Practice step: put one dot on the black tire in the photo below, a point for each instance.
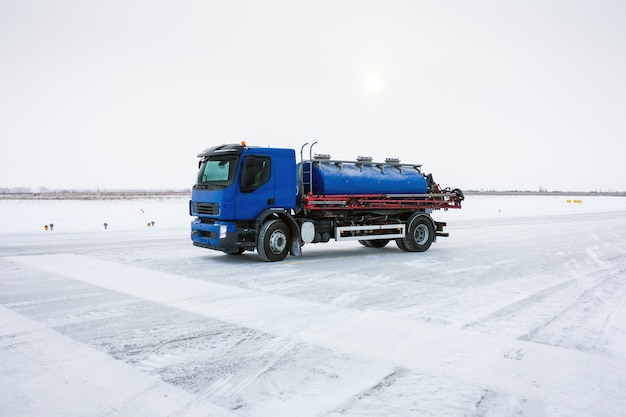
(238, 251)
(400, 243)
(378, 243)
(420, 233)
(274, 241)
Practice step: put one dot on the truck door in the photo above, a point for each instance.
(256, 187)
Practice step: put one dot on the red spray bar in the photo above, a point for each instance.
(436, 201)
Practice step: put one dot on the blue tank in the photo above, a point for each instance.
(342, 177)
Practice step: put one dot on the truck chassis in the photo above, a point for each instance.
(373, 220)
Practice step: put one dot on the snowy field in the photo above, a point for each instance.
(520, 312)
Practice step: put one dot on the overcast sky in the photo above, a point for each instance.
(485, 94)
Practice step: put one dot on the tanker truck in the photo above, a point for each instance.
(260, 199)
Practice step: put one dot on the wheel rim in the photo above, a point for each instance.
(420, 235)
(277, 242)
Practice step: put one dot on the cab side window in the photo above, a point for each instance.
(256, 172)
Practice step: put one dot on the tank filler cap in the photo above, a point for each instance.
(322, 156)
(392, 160)
(364, 158)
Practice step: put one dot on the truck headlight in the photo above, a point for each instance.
(223, 228)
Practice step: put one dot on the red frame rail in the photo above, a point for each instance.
(445, 201)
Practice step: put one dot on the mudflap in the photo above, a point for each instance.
(296, 248)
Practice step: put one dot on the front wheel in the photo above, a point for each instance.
(419, 235)
(273, 241)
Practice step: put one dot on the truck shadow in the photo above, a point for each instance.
(308, 254)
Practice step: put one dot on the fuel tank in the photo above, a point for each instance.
(328, 177)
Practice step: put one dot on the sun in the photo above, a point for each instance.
(373, 84)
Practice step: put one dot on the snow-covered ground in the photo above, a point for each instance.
(520, 312)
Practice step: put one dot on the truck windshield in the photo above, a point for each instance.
(217, 171)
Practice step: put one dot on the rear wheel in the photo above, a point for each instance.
(400, 243)
(273, 241)
(237, 251)
(420, 234)
(378, 243)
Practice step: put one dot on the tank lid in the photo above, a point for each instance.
(364, 158)
(323, 156)
(392, 160)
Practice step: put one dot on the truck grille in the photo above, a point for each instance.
(212, 209)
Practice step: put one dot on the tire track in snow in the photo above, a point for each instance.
(592, 322)
(541, 304)
(433, 349)
(37, 363)
(274, 350)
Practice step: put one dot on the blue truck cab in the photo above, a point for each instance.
(237, 188)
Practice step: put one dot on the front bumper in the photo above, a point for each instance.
(216, 235)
